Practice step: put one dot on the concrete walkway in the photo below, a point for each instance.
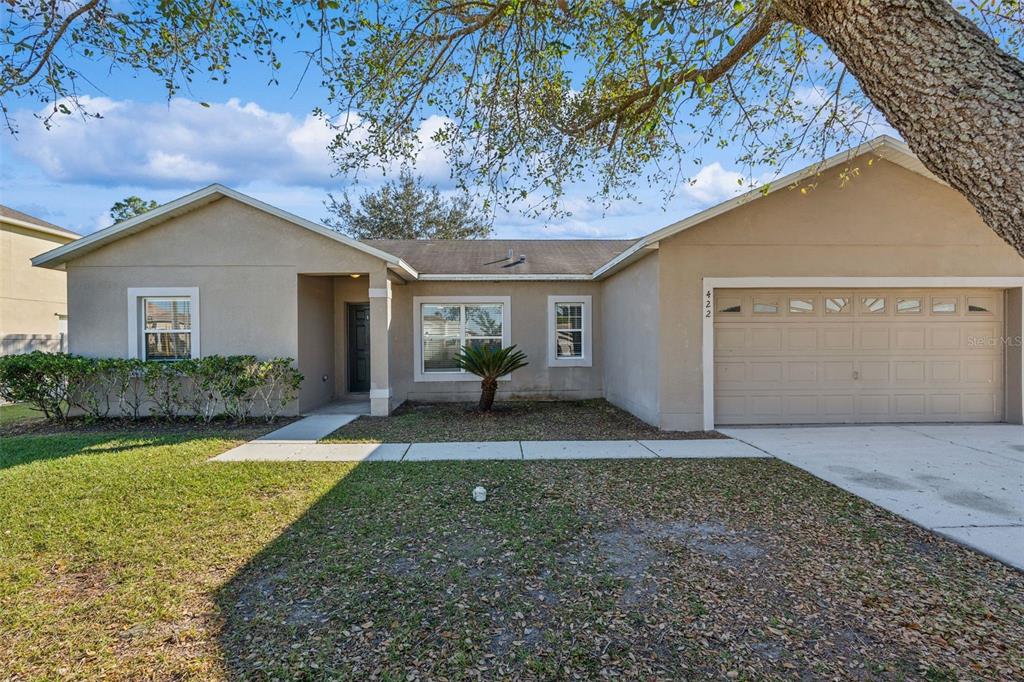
(962, 481)
(274, 447)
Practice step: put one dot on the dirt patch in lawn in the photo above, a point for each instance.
(637, 570)
(512, 420)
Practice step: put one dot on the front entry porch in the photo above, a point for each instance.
(344, 320)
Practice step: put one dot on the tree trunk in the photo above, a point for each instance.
(955, 97)
(488, 387)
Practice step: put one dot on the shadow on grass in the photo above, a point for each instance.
(20, 450)
(396, 564)
(38, 440)
(643, 570)
(23, 450)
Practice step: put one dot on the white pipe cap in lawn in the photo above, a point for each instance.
(480, 493)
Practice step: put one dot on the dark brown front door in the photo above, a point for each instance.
(358, 347)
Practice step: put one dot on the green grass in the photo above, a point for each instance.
(511, 420)
(18, 413)
(131, 556)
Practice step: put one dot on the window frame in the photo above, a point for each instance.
(417, 324)
(136, 318)
(587, 360)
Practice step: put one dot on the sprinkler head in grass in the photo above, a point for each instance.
(480, 493)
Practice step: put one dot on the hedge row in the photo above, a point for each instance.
(58, 383)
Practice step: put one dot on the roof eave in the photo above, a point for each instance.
(477, 277)
(45, 229)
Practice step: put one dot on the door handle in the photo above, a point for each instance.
(856, 374)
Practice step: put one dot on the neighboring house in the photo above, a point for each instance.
(881, 298)
(33, 302)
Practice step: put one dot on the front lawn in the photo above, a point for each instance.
(513, 420)
(133, 557)
(17, 414)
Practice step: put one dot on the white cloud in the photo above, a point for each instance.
(713, 184)
(182, 143)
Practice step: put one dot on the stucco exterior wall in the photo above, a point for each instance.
(529, 332)
(30, 298)
(316, 340)
(630, 309)
(246, 264)
(887, 221)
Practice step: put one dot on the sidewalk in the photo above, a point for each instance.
(273, 450)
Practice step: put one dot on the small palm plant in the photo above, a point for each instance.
(490, 363)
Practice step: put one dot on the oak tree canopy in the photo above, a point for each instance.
(536, 95)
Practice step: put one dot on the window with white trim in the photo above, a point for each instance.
(446, 327)
(163, 323)
(569, 331)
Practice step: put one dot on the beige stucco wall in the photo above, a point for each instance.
(30, 298)
(246, 264)
(887, 221)
(630, 308)
(529, 332)
(316, 340)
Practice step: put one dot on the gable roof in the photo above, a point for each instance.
(56, 258)
(489, 258)
(579, 259)
(19, 219)
(884, 146)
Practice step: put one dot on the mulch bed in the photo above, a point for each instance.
(513, 420)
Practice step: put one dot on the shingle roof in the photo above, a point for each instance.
(13, 214)
(490, 256)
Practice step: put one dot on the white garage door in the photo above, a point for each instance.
(833, 356)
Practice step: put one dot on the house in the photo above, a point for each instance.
(33, 301)
(861, 289)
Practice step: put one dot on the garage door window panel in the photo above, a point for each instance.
(908, 305)
(837, 305)
(766, 306)
(873, 305)
(802, 305)
(944, 305)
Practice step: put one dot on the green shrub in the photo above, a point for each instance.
(55, 383)
(278, 386)
(490, 364)
(163, 383)
(46, 381)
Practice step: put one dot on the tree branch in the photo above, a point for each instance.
(45, 57)
(648, 96)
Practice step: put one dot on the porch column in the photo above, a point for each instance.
(380, 336)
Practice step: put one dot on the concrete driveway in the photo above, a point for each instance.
(963, 481)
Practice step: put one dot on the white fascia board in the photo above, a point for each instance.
(504, 278)
(63, 253)
(886, 147)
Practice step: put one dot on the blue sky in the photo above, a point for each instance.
(262, 140)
